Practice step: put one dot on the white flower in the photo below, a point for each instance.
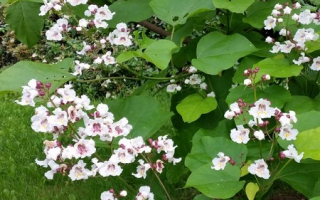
(211, 94)
(192, 70)
(275, 47)
(269, 40)
(278, 6)
(259, 168)
(270, 23)
(259, 135)
(108, 59)
(171, 88)
(247, 82)
(292, 153)
(287, 47)
(145, 193)
(78, 171)
(301, 59)
(233, 112)
(297, 5)
(315, 64)
(83, 23)
(295, 17)
(110, 168)
(54, 167)
(306, 17)
(287, 133)
(107, 195)
(142, 169)
(54, 33)
(283, 32)
(195, 79)
(240, 135)
(76, 2)
(261, 109)
(123, 193)
(67, 93)
(203, 86)
(103, 13)
(287, 10)
(84, 148)
(220, 163)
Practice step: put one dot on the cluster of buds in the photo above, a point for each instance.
(251, 74)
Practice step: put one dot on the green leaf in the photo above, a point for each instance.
(302, 104)
(175, 12)
(244, 169)
(278, 67)
(144, 113)
(302, 177)
(193, 106)
(21, 73)
(246, 63)
(313, 46)
(130, 11)
(216, 183)
(308, 142)
(305, 121)
(217, 52)
(259, 11)
(251, 190)
(201, 197)
(127, 55)
(158, 52)
(233, 5)
(205, 148)
(23, 17)
(277, 95)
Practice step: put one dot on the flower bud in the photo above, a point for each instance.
(48, 85)
(266, 77)
(123, 193)
(282, 155)
(247, 82)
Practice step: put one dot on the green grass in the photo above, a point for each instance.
(20, 177)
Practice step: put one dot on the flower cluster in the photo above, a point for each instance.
(256, 118)
(65, 117)
(292, 40)
(194, 80)
(260, 113)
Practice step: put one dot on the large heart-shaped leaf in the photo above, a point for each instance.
(130, 11)
(205, 148)
(144, 113)
(308, 142)
(303, 177)
(216, 184)
(193, 106)
(175, 12)
(233, 5)
(158, 52)
(21, 73)
(217, 52)
(23, 17)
